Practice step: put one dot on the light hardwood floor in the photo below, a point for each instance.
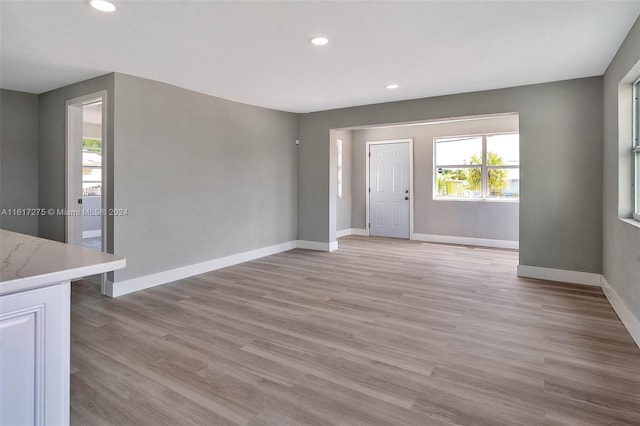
(381, 332)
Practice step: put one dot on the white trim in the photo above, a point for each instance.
(359, 231)
(367, 178)
(367, 182)
(92, 233)
(467, 241)
(136, 284)
(560, 275)
(343, 233)
(629, 320)
(317, 245)
(339, 167)
(632, 222)
(635, 147)
(631, 323)
(104, 177)
(351, 231)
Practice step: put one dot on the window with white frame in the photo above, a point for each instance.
(339, 166)
(636, 147)
(477, 167)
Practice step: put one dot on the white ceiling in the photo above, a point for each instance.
(259, 52)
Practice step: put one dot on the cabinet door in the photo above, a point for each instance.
(34, 356)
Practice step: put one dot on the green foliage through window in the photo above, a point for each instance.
(92, 145)
(497, 178)
(462, 172)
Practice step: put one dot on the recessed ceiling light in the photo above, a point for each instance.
(319, 41)
(392, 86)
(102, 5)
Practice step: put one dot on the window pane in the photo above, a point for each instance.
(636, 142)
(453, 152)
(458, 182)
(91, 167)
(638, 182)
(636, 118)
(339, 166)
(503, 150)
(504, 183)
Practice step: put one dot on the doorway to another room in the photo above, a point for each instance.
(92, 175)
(86, 171)
(459, 182)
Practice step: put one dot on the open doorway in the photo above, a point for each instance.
(92, 175)
(86, 136)
(464, 181)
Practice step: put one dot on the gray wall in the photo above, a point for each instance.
(475, 219)
(19, 159)
(52, 152)
(621, 248)
(201, 177)
(343, 204)
(560, 154)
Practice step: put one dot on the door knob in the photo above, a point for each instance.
(406, 191)
(406, 198)
(79, 200)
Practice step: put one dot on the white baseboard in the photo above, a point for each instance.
(136, 284)
(561, 275)
(343, 233)
(92, 233)
(467, 241)
(629, 320)
(352, 231)
(121, 288)
(317, 245)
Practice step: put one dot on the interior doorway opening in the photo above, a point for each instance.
(464, 181)
(86, 148)
(85, 220)
(92, 175)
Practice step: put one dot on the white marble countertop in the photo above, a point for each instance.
(30, 262)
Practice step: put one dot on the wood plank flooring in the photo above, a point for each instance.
(380, 332)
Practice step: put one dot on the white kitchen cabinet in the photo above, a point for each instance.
(35, 300)
(34, 356)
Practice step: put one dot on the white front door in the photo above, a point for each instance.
(389, 194)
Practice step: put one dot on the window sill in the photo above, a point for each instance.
(632, 222)
(478, 200)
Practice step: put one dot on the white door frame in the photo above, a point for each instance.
(73, 127)
(366, 189)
